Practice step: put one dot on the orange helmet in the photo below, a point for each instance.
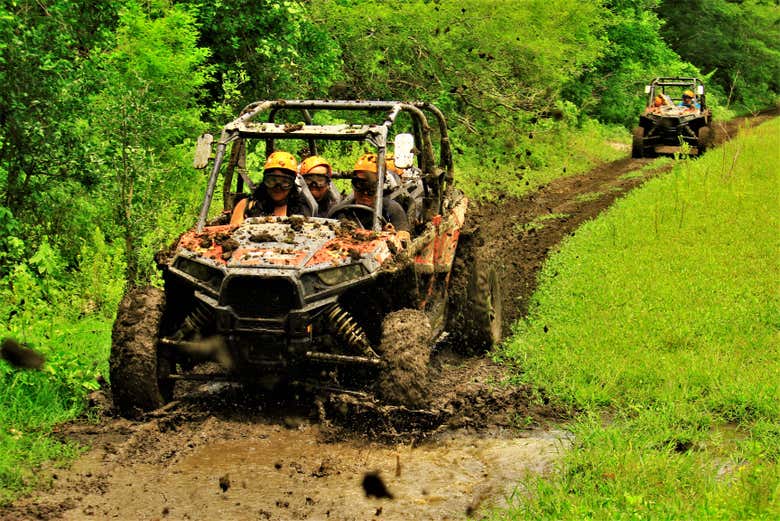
(367, 163)
(310, 162)
(281, 160)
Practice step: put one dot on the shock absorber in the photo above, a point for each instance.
(197, 322)
(348, 330)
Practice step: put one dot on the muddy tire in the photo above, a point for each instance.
(406, 350)
(475, 318)
(484, 312)
(705, 139)
(638, 143)
(138, 372)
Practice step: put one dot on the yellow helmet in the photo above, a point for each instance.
(281, 160)
(367, 163)
(688, 94)
(310, 162)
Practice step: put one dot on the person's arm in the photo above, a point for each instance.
(238, 212)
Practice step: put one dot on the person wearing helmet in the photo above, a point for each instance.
(277, 194)
(689, 101)
(364, 186)
(317, 173)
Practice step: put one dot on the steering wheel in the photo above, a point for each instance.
(347, 210)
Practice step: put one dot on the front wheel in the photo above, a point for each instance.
(138, 370)
(638, 143)
(704, 139)
(406, 350)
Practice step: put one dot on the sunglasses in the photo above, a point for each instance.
(316, 181)
(364, 186)
(272, 181)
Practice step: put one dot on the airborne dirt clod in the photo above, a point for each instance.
(220, 452)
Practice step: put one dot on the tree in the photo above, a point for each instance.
(42, 49)
(738, 42)
(273, 44)
(146, 107)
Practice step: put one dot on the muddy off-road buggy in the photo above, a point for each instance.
(664, 126)
(316, 302)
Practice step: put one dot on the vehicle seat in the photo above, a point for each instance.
(306, 196)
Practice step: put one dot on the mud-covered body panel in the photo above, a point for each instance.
(271, 285)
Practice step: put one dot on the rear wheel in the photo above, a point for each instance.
(405, 348)
(705, 139)
(476, 309)
(138, 370)
(638, 143)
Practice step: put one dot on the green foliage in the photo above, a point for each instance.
(612, 88)
(473, 58)
(42, 49)
(737, 42)
(663, 315)
(268, 49)
(32, 402)
(149, 80)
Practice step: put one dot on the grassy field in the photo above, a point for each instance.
(660, 322)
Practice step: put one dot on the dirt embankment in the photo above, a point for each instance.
(221, 453)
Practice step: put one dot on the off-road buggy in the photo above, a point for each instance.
(666, 125)
(316, 302)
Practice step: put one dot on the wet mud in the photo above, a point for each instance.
(219, 451)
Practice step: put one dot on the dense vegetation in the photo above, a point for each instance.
(101, 103)
(677, 378)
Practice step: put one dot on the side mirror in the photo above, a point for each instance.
(404, 150)
(647, 89)
(700, 90)
(203, 151)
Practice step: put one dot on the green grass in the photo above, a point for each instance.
(66, 316)
(538, 223)
(33, 402)
(660, 321)
(590, 196)
(533, 158)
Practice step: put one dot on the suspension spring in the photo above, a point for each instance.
(349, 331)
(197, 322)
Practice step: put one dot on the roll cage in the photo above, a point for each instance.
(660, 84)
(251, 125)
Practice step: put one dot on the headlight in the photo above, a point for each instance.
(321, 280)
(209, 276)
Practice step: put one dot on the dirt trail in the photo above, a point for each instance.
(223, 453)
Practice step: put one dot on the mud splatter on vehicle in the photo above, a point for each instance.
(313, 301)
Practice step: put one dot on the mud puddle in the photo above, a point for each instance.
(271, 472)
(222, 454)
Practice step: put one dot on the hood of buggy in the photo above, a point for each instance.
(288, 243)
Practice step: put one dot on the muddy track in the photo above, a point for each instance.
(219, 452)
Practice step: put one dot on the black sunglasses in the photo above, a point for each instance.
(364, 186)
(273, 181)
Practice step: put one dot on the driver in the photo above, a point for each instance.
(689, 101)
(277, 194)
(364, 186)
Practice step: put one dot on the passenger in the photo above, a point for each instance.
(689, 101)
(317, 173)
(658, 101)
(277, 194)
(364, 185)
